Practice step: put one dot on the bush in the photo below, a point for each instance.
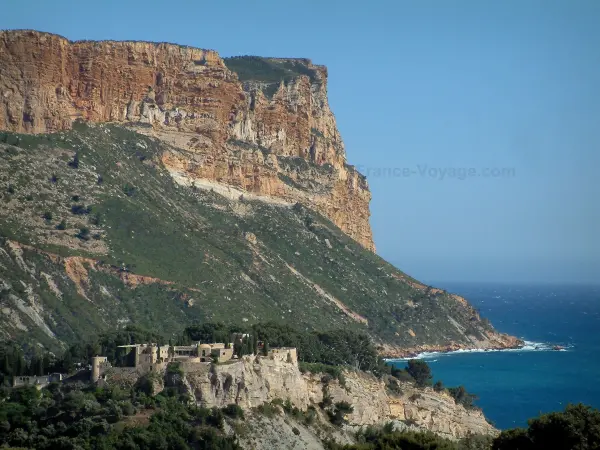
(462, 397)
(296, 431)
(577, 427)
(175, 368)
(415, 397)
(438, 386)
(234, 411)
(48, 216)
(80, 210)
(420, 371)
(393, 386)
(10, 189)
(84, 234)
(62, 225)
(310, 416)
(75, 162)
(402, 375)
(267, 409)
(129, 190)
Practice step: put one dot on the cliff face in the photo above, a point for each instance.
(268, 132)
(252, 381)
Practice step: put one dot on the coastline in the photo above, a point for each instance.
(495, 342)
(528, 346)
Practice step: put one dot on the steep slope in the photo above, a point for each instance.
(144, 244)
(269, 131)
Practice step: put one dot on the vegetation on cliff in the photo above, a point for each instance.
(270, 71)
(75, 417)
(122, 237)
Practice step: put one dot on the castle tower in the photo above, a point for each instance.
(97, 361)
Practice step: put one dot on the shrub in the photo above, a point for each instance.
(420, 371)
(296, 431)
(577, 427)
(462, 397)
(75, 162)
(48, 216)
(84, 234)
(175, 368)
(127, 408)
(438, 386)
(334, 371)
(54, 178)
(402, 375)
(393, 385)
(310, 416)
(75, 198)
(234, 411)
(267, 409)
(62, 225)
(415, 397)
(216, 418)
(10, 189)
(80, 210)
(95, 219)
(129, 189)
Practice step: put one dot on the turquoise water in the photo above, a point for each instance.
(515, 385)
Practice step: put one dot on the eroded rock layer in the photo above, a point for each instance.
(265, 129)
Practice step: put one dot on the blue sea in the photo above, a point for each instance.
(514, 386)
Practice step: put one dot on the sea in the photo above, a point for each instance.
(515, 385)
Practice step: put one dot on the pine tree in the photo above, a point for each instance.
(40, 366)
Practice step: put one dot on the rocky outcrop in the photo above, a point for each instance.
(492, 341)
(252, 381)
(276, 138)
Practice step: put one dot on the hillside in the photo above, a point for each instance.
(190, 98)
(138, 247)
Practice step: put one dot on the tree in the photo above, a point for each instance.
(254, 345)
(462, 397)
(265, 349)
(420, 371)
(438, 386)
(577, 427)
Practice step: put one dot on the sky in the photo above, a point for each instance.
(477, 122)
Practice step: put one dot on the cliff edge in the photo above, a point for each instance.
(258, 125)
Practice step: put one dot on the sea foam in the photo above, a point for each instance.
(528, 346)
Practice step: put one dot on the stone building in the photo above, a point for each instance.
(99, 366)
(285, 354)
(37, 381)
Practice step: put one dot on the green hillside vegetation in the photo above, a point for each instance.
(79, 416)
(271, 71)
(101, 192)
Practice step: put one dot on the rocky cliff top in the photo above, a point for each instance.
(244, 122)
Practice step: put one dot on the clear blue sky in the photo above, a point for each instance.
(425, 85)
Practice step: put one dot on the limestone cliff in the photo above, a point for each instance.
(268, 132)
(253, 381)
